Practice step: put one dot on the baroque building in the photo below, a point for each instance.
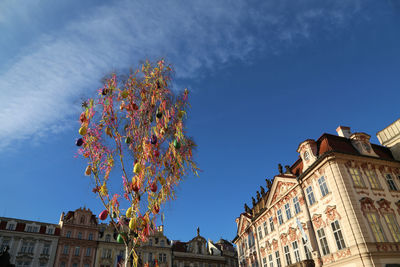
(109, 252)
(338, 204)
(199, 252)
(78, 239)
(30, 243)
(156, 250)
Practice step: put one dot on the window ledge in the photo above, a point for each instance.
(327, 194)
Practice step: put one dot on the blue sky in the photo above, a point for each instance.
(263, 75)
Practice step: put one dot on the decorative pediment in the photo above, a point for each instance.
(317, 221)
(332, 214)
(384, 206)
(367, 205)
(243, 224)
(282, 188)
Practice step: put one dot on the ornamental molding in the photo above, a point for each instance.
(317, 221)
(367, 205)
(332, 214)
(384, 206)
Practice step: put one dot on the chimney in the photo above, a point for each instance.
(343, 131)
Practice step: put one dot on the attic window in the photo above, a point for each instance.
(306, 156)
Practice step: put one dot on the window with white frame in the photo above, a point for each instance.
(355, 175)
(296, 251)
(306, 250)
(76, 253)
(390, 182)
(24, 247)
(66, 249)
(32, 228)
(46, 249)
(288, 212)
(296, 204)
(88, 251)
(278, 259)
(11, 226)
(392, 225)
(310, 195)
(337, 232)
(376, 227)
(50, 230)
(260, 236)
(271, 262)
(265, 228)
(5, 243)
(280, 217)
(264, 262)
(373, 180)
(271, 224)
(287, 255)
(322, 186)
(323, 242)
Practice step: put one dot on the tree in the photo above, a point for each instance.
(138, 124)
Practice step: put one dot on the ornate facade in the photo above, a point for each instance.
(109, 251)
(337, 205)
(30, 243)
(78, 240)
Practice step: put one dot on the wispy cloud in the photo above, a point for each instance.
(41, 84)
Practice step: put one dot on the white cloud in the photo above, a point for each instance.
(41, 87)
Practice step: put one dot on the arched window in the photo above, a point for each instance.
(83, 219)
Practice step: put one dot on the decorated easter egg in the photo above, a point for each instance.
(134, 106)
(156, 209)
(124, 94)
(128, 140)
(103, 215)
(177, 145)
(136, 168)
(153, 186)
(109, 131)
(129, 212)
(132, 224)
(153, 139)
(88, 170)
(159, 115)
(82, 118)
(83, 130)
(79, 142)
(120, 239)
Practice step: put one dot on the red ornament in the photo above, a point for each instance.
(103, 215)
(156, 153)
(156, 209)
(153, 186)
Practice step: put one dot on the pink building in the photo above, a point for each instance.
(77, 244)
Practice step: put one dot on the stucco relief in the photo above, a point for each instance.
(332, 214)
(360, 192)
(384, 206)
(367, 205)
(328, 259)
(343, 253)
(275, 244)
(281, 189)
(292, 234)
(284, 239)
(386, 247)
(317, 221)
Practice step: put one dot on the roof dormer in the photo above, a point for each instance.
(361, 141)
(308, 152)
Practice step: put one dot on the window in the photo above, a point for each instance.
(271, 262)
(260, 236)
(288, 212)
(50, 231)
(296, 205)
(69, 234)
(322, 186)
(322, 241)
(271, 224)
(31, 246)
(338, 235)
(88, 251)
(79, 235)
(108, 253)
(306, 250)
(108, 238)
(264, 262)
(306, 156)
(251, 240)
(287, 255)
(265, 228)
(76, 251)
(280, 218)
(278, 260)
(150, 257)
(393, 226)
(296, 251)
(372, 179)
(162, 242)
(82, 219)
(75, 265)
(90, 236)
(355, 175)
(66, 248)
(86, 265)
(46, 249)
(24, 247)
(376, 227)
(4, 244)
(11, 226)
(150, 241)
(390, 181)
(310, 195)
(62, 264)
